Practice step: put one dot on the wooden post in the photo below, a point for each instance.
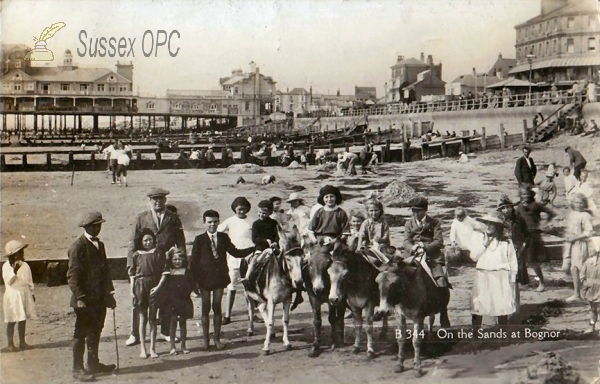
(24, 160)
(49, 160)
(93, 161)
(347, 146)
(70, 158)
(463, 145)
(388, 153)
(224, 157)
(138, 156)
(405, 152)
(331, 148)
(2, 161)
(35, 118)
(525, 131)
(483, 139)
(243, 155)
(502, 138)
(311, 155)
(444, 149)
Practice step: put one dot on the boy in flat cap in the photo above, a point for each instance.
(167, 227)
(92, 292)
(426, 232)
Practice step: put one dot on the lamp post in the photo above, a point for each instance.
(530, 57)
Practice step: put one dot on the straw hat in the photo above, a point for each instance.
(492, 217)
(13, 247)
(294, 196)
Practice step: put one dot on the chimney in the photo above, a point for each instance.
(125, 70)
(500, 55)
(252, 67)
(422, 58)
(430, 60)
(400, 58)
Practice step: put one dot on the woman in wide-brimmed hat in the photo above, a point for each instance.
(300, 214)
(494, 292)
(18, 301)
(330, 220)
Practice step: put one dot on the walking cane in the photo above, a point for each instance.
(115, 332)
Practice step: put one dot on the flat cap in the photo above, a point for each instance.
(89, 218)
(157, 192)
(418, 202)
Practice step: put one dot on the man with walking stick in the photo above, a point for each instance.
(92, 292)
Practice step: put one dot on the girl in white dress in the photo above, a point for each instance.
(18, 300)
(494, 291)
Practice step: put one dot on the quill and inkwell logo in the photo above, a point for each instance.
(40, 52)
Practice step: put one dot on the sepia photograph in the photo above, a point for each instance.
(302, 191)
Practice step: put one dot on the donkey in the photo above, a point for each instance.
(276, 281)
(353, 283)
(317, 283)
(408, 289)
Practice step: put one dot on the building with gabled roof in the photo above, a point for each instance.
(68, 87)
(464, 84)
(295, 101)
(405, 72)
(561, 45)
(502, 67)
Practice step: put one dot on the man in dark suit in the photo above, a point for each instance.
(208, 264)
(525, 169)
(424, 232)
(168, 229)
(92, 292)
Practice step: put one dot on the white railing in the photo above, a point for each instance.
(496, 101)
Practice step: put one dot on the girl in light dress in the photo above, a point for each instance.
(356, 219)
(495, 292)
(18, 301)
(576, 248)
(590, 281)
(147, 268)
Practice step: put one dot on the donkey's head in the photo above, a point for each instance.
(392, 281)
(318, 261)
(338, 273)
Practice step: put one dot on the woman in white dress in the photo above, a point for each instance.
(18, 302)
(495, 292)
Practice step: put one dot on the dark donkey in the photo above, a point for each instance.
(409, 290)
(317, 284)
(353, 284)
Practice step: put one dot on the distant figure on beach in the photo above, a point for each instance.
(525, 169)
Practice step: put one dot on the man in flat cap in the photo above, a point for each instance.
(168, 230)
(92, 292)
(425, 232)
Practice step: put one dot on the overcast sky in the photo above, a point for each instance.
(327, 44)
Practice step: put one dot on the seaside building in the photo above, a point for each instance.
(66, 87)
(295, 101)
(406, 72)
(561, 44)
(474, 83)
(502, 67)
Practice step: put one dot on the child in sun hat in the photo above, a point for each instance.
(18, 301)
(329, 221)
(547, 188)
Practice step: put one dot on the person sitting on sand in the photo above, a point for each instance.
(547, 188)
(570, 183)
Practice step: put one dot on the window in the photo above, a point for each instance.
(17, 86)
(547, 51)
(111, 88)
(591, 44)
(556, 24)
(177, 106)
(247, 106)
(570, 22)
(65, 87)
(194, 106)
(83, 87)
(122, 88)
(29, 86)
(6, 86)
(590, 21)
(235, 90)
(570, 45)
(213, 107)
(150, 105)
(554, 48)
(100, 87)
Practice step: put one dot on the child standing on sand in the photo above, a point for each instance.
(147, 267)
(18, 302)
(174, 290)
(579, 228)
(590, 281)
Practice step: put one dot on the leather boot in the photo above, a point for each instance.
(78, 372)
(94, 364)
